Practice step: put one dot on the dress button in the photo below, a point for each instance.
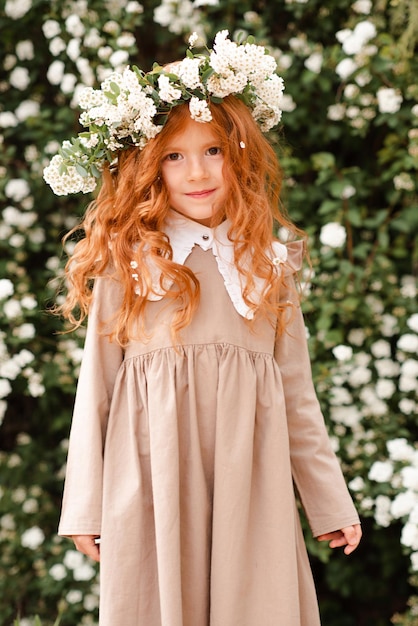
(205, 237)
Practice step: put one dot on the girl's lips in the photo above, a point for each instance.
(200, 194)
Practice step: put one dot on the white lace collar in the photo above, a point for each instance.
(184, 234)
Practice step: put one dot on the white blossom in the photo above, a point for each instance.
(17, 189)
(19, 78)
(17, 8)
(58, 571)
(333, 235)
(24, 50)
(399, 449)
(74, 25)
(412, 322)
(346, 68)
(381, 349)
(8, 119)
(199, 110)
(314, 62)
(6, 288)
(385, 388)
(403, 504)
(382, 511)
(32, 538)
(342, 353)
(55, 72)
(389, 100)
(381, 471)
(51, 28)
(408, 343)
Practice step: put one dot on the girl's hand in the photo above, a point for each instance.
(86, 545)
(348, 537)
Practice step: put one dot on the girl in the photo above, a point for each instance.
(195, 418)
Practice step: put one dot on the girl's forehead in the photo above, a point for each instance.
(193, 133)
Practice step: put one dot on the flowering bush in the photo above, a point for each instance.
(349, 149)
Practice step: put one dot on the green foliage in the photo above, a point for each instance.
(349, 151)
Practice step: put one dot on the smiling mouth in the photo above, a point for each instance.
(200, 194)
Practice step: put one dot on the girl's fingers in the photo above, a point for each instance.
(86, 544)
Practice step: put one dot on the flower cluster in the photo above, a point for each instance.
(131, 107)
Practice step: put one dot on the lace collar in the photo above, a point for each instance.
(184, 234)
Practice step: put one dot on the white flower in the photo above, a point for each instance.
(409, 535)
(342, 353)
(74, 25)
(348, 192)
(25, 331)
(403, 504)
(24, 50)
(382, 511)
(386, 368)
(385, 388)
(410, 478)
(8, 120)
(134, 7)
(399, 449)
(70, 182)
(32, 538)
(381, 471)
(74, 596)
(333, 235)
(17, 189)
(26, 109)
(17, 8)
(408, 343)
(119, 58)
(412, 322)
(414, 561)
(199, 110)
(336, 112)
(314, 62)
(6, 288)
(380, 349)
(5, 388)
(84, 572)
(362, 6)
(193, 39)
(389, 100)
(357, 484)
(125, 40)
(355, 41)
(51, 28)
(73, 559)
(168, 93)
(19, 78)
(58, 571)
(347, 415)
(403, 181)
(55, 72)
(345, 68)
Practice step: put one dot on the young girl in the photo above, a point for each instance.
(195, 418)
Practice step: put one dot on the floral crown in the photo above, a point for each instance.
(131, 107)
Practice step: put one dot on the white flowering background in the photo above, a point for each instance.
(349, 149)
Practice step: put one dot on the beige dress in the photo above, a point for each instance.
(185, 461)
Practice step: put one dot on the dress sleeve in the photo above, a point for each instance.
(82, 501)
(315, 467)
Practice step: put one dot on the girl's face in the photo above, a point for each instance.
(192, 172)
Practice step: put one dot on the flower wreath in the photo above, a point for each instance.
(131, 107)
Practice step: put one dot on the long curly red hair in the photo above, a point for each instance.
(126, 222)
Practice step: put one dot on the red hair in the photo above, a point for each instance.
(126, 222)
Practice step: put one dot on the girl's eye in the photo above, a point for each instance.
(214, 151)
(173, 156)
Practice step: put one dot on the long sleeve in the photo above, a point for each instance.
(82, 501)
(315, 467)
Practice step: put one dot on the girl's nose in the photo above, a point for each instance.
(197, 169)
